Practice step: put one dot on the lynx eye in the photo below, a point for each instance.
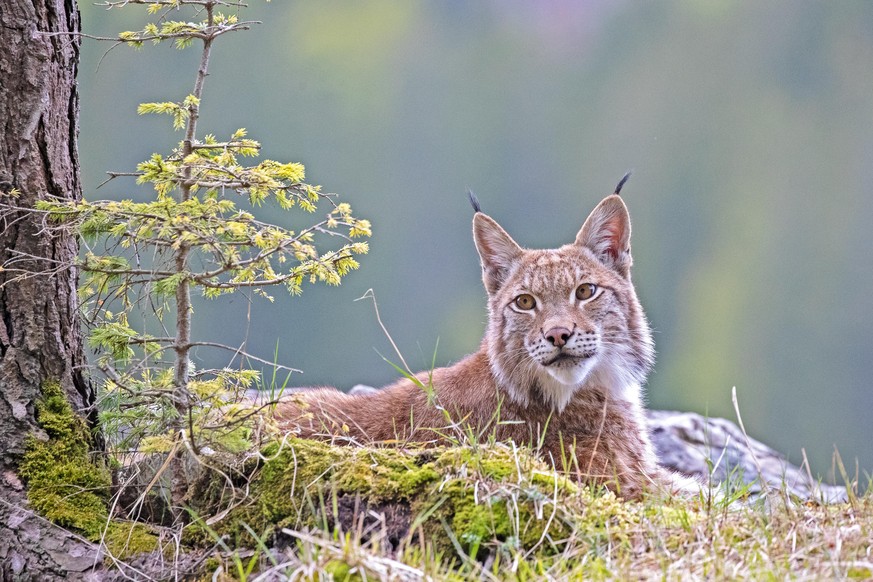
(586, 291)
(525, 302)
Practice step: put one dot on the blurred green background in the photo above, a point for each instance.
(749, 127)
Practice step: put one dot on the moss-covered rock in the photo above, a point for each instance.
(473, 499)
(301, 481)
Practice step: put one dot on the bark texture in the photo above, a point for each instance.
(39, 334)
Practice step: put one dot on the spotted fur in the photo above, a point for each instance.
(564, 377)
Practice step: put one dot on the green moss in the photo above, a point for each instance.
(342, 572)
(494, 496)
(413, 481)
(125, 539)
(502, 515)
(490, 462)
(552, 481)
(63, 483)
(598, 570)
(70, 488)
(474, 522)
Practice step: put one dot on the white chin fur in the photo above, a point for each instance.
(558, 385)
(571, 376)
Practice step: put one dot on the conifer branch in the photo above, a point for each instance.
(136, 38)
(109, 5)
(222, 145)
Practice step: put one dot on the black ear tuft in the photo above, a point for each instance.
(474, 201)
(622, 181)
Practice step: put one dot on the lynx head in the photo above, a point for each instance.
(563, 319)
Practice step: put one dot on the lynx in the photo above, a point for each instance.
(560, 368)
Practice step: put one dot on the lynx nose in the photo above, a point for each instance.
(558, 336)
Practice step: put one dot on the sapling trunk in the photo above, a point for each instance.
(183, 294)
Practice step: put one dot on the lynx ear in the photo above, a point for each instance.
(497, 251)
(607, 232)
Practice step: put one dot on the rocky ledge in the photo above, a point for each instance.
(698, 446)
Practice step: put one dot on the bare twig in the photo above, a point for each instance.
(241, 352)
(370, 294)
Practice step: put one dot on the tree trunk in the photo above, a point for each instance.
(40, 339)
